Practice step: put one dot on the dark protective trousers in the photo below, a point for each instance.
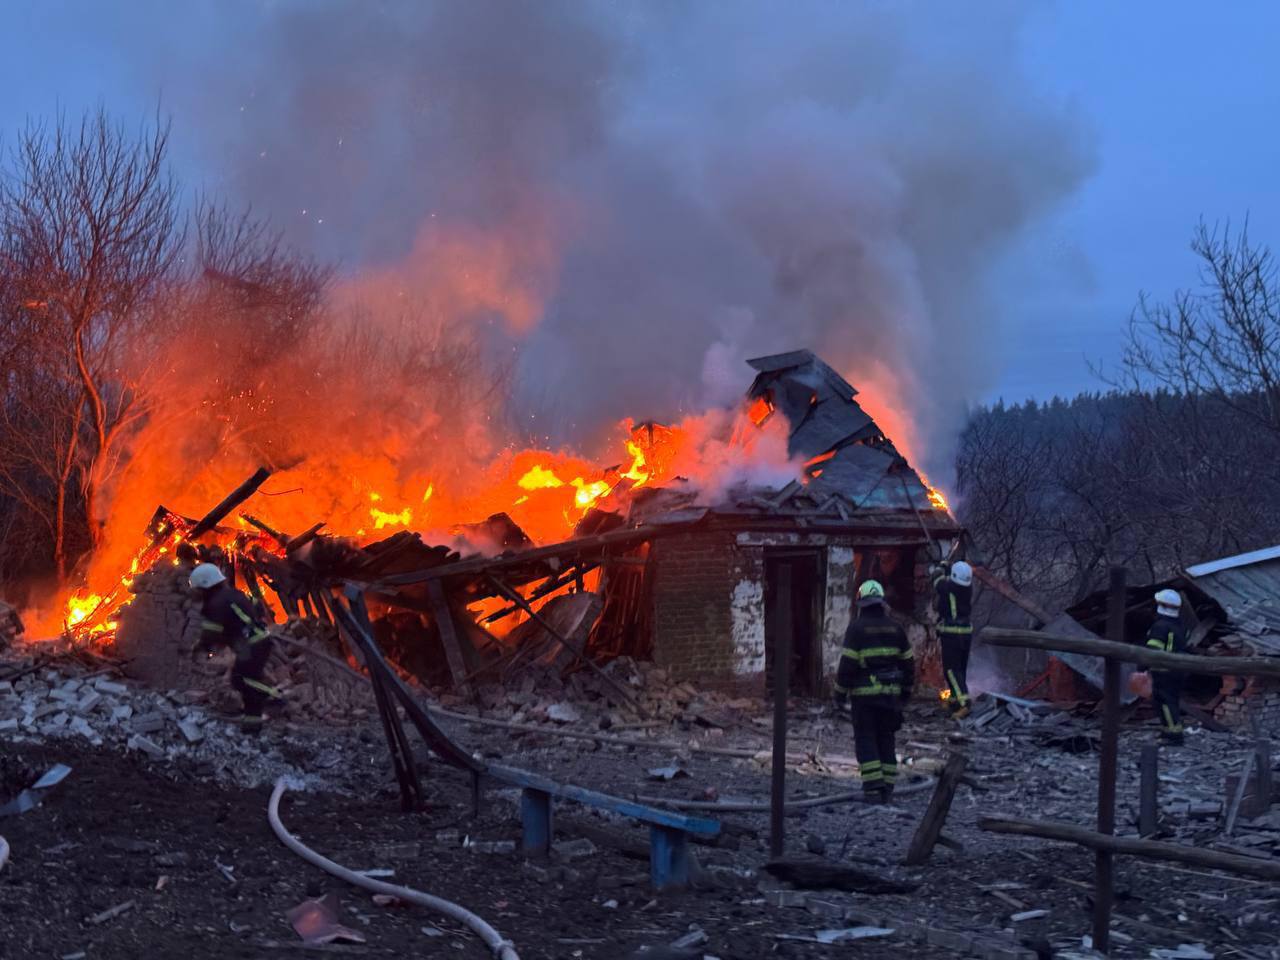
(248, 678)
(875, 721)
(955, 666)
(1166, 689)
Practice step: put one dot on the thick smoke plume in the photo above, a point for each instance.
(642, 195)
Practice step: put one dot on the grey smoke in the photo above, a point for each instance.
(713, 180)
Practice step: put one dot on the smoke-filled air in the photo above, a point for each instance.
(528, 224)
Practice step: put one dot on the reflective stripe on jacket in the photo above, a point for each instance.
(229, 617)
(1168, 635)
(954, 606)
(876, 659)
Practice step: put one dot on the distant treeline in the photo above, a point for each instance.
(1054, 493)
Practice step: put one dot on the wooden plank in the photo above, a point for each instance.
(535, 818)
(449, 637)
(1151, 849)
(1148, 790)
(1233, 810)
(935, 817)
(1132, 653)
(781, 693)
(232, 500)
(355, 623)
(668, 858)
(593, 798)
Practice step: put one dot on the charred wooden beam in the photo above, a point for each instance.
(572, 575)
(443, 617)
(232, 500)
(514, 596)
(1007, 590)
(1266, 869)
(1132, 653)
(929, 833)
(276, 535)
(302, 539)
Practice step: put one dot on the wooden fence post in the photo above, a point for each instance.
(1104, 869)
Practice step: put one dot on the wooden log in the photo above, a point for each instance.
(232, 500)
(1006, 590)
(1149, 849)
(302, 539)
(1132, 653)
(276, 535)
(619, 689)
(935, 817)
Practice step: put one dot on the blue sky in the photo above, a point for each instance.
(1179, 99)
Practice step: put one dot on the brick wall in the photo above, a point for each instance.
(708, 600)
(693, 583)
(158, 628)
(1244, 697)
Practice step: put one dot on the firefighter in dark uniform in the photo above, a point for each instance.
(877, 675)
(953, 602)
(1168, 635)
(231, 619)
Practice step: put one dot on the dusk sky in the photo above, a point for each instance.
(1172, 105)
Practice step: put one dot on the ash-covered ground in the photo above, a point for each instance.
(164, 816)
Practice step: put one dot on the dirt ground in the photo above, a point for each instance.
(207, 878)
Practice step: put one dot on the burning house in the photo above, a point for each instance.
(660, 566)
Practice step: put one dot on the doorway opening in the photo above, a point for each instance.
(805, 610)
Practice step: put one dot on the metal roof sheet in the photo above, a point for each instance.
(1249, 594)
(1239, 560)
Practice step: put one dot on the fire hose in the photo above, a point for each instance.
(502, 949)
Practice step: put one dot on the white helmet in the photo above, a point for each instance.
(205, 576)
(962, 573)
(1168, 602)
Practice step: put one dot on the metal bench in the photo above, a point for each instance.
(668, 832)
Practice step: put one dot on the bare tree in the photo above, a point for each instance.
(1222, 340)
(90, 234)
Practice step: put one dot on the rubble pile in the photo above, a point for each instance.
(51, 704)
(542, 693)
(315, 685)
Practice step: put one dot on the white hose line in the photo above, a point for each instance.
(502, 949)
(4, 852)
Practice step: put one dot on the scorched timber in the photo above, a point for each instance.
(1132, 653)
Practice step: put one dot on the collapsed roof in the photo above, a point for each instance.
(862, 466)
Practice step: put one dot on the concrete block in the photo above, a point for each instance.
(81, 726)
(86, 703)
(191, 731)
(110, 687)
(64, 696)
(785, 898)
(122, 712)
(8, 726)
(147, 746)
(147, 723)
